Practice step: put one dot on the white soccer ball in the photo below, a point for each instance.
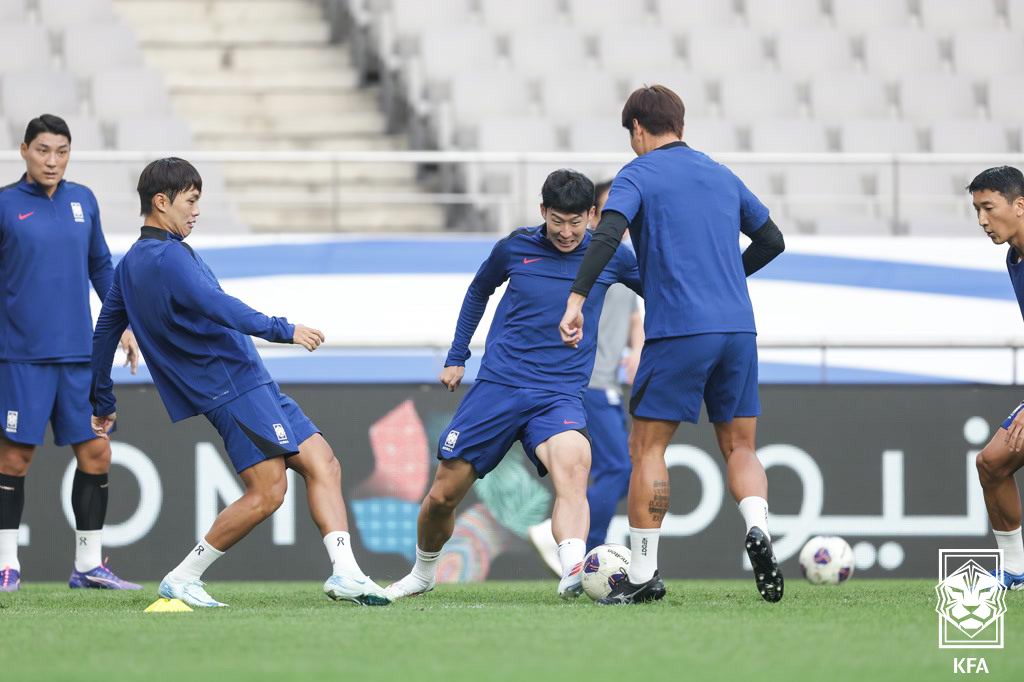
(826, 560)
(603, 568)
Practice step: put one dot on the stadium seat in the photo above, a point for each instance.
(711, 137)
(632, 50)
(756, 96)
(23, 46)
(840, 224)
(102, 176)
(1006, 97)
(475, 97)
(810, 52)
(776, 15)
(969, 137)
(138, 91)
(1015, 10)
(408, 18)
(691, 15)
(86, 133)
(14, 11)
(568, 94)
(602, 134)
(690, 87)
(926, 97)
(848, 95)
(443, 51)
(878, 136)
(533, 53)
(764, 180)
(942, 225)
(725, 51)
(861, 16)
(58, 14)
(950, 16)
(516, 134)
(794, 135)
(503, 15)
(893, 53)
(975, 52)
(7, 141)
(26, 94)
(149, 133)
(606, 14)
(90, 48)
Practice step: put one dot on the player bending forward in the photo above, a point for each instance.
(530, 387)
(196, 342)
(998, 195)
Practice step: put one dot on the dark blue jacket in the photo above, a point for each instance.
(50, 248)
(523, 346)
(195, 338)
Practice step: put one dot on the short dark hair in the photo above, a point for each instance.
(600, 188)
(569, 191)
(1006, 180)
(171, 177)
(47, 123)
(656, 108)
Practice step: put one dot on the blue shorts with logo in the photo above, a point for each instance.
(1013, 415)
(33, 394)
(492, 417)
(677, 374)
(261, 424)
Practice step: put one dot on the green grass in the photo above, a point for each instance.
(704, 630)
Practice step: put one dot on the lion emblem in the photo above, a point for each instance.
(970, 599)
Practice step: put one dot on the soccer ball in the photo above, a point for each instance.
(604, 568)
(826, 560)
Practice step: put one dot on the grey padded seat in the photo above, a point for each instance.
(975, 52)
(13, 11)
(711, 136)
(684, 16)
(927, 97)
(516, 135)
(947, 17)
(893, 53)
(150, 133)
(803, 53)
(602, 134)
(1006, 97)
(58, 14)
(876, 136)
(23, 46)
(630, 49)
(726, 51)
(86, 133)
(26, 94)
(533, 53)
(597, 15)
(754, 96)
(969, 137)
(777, 15)
(568, 94)
(91, 48)
(793, 135)
(864, 16)
(504, 15)
(849, 95)
(139, 91)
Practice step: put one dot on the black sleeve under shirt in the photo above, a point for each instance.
(765, 244)
(602, 247)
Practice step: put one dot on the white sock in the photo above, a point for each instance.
(643, 560)
(88, 549)
(197, 561)
(339, 548)
(426, 565)
(570, 553)
(1008, 540)
(9, 549)
(755, 513)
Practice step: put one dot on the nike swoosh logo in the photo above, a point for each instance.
(22, 216)
(101, 581)
(566, 421)
(527, 261)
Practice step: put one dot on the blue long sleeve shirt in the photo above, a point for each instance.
(523, 347)
(50, 249)
(195, 338)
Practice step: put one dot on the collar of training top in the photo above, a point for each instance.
(671, 145)
(35, 188)
(154, 233)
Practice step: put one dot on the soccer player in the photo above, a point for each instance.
(51, 247)
(198, 347)
(622, 327)
(998, 196)
(530, 387)
(685, 213)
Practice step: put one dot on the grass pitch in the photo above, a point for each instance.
(704, 630)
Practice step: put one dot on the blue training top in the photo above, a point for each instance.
(685, 214)
(196, 338)
(523, 346)
(50, 248)
(1016, 270)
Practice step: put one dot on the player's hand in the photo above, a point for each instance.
(571, 327)
(451, 377)
(101, 425)
(131, 350)
(1015, 434)
(307, 337)
(631, 363)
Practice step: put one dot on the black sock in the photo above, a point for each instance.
(12, 501)
(89, 500)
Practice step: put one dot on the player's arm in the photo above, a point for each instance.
(492, 273)
(766, 243)
(190, 287)
(636, 343)
(110, 326)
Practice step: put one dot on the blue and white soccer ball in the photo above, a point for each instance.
(603, 568)
(826, 560)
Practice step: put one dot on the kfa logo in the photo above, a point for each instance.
(279, 431)
(971, 600)
(449, 442)
(12, 421)
(76, 211)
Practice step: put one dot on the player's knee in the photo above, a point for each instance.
(269, 498)
(15, 461)
(990, 468)
(441, 501)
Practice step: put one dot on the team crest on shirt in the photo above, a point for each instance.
(12, 421)
(282, 436)
(449, 442)
(77, 212)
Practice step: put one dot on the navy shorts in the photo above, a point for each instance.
(676, 374)
(33, 394)
(1013, 415)
(261, 424)
(492, 417)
